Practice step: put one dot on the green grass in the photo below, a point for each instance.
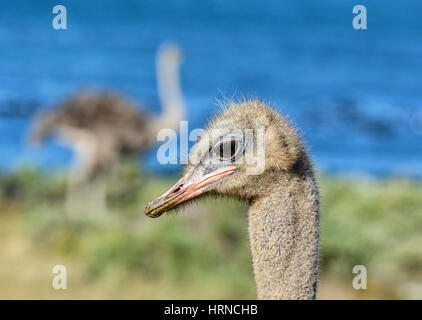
(202, 252)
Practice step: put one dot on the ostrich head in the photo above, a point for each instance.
(226, 160)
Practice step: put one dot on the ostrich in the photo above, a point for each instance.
(101, 127)
(283, 199)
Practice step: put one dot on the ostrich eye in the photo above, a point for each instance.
(227, 150)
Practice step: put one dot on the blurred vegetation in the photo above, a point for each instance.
(202, 251)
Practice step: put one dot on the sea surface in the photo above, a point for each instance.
(356, 95)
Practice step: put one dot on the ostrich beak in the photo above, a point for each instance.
(188, 187)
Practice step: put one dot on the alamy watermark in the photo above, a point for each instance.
(60, 279)
(360, 20)
(359, 281)
(60, 20)
(214, 147)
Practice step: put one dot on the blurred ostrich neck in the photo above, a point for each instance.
(284, 236)
(170, 94)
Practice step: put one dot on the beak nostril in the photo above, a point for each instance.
(178, 188)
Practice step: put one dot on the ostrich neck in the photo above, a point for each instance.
(170, 95)
(284, 236)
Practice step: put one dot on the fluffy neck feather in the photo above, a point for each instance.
(284, 236)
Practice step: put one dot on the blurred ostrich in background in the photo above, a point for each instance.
(101, 127)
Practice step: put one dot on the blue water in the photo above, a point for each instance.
(356, 95)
